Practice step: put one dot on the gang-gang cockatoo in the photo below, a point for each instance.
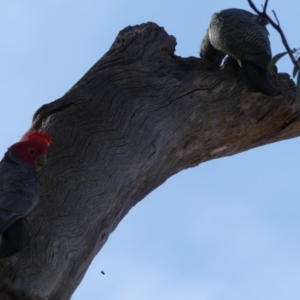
(19, 188)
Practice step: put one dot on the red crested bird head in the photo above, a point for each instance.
(32, 148)
(40, 136)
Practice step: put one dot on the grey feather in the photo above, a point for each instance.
(209, 53)
(243, 35)
(19, 190)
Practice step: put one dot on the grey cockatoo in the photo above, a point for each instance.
(19, 189)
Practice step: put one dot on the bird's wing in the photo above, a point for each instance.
(241, 35)
(15, 204)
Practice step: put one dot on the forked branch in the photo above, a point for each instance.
(275, 25)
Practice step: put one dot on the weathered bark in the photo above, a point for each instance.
(138, 116)
(9, 292)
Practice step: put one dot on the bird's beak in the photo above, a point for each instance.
(40, 161)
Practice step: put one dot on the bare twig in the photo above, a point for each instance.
(265, 6)
(277, 27)
(275, 15)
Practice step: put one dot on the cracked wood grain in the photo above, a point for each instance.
(138, 116)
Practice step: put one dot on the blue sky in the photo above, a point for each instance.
(226, 229)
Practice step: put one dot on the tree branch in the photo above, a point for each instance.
(276, 26)
(9, 292)
(138, 116)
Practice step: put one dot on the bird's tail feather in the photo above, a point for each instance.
(14, 238)
(256, 79)
(6, 219)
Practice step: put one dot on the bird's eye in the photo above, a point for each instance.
(31, 151)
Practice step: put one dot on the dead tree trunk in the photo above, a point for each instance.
(138, 116)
